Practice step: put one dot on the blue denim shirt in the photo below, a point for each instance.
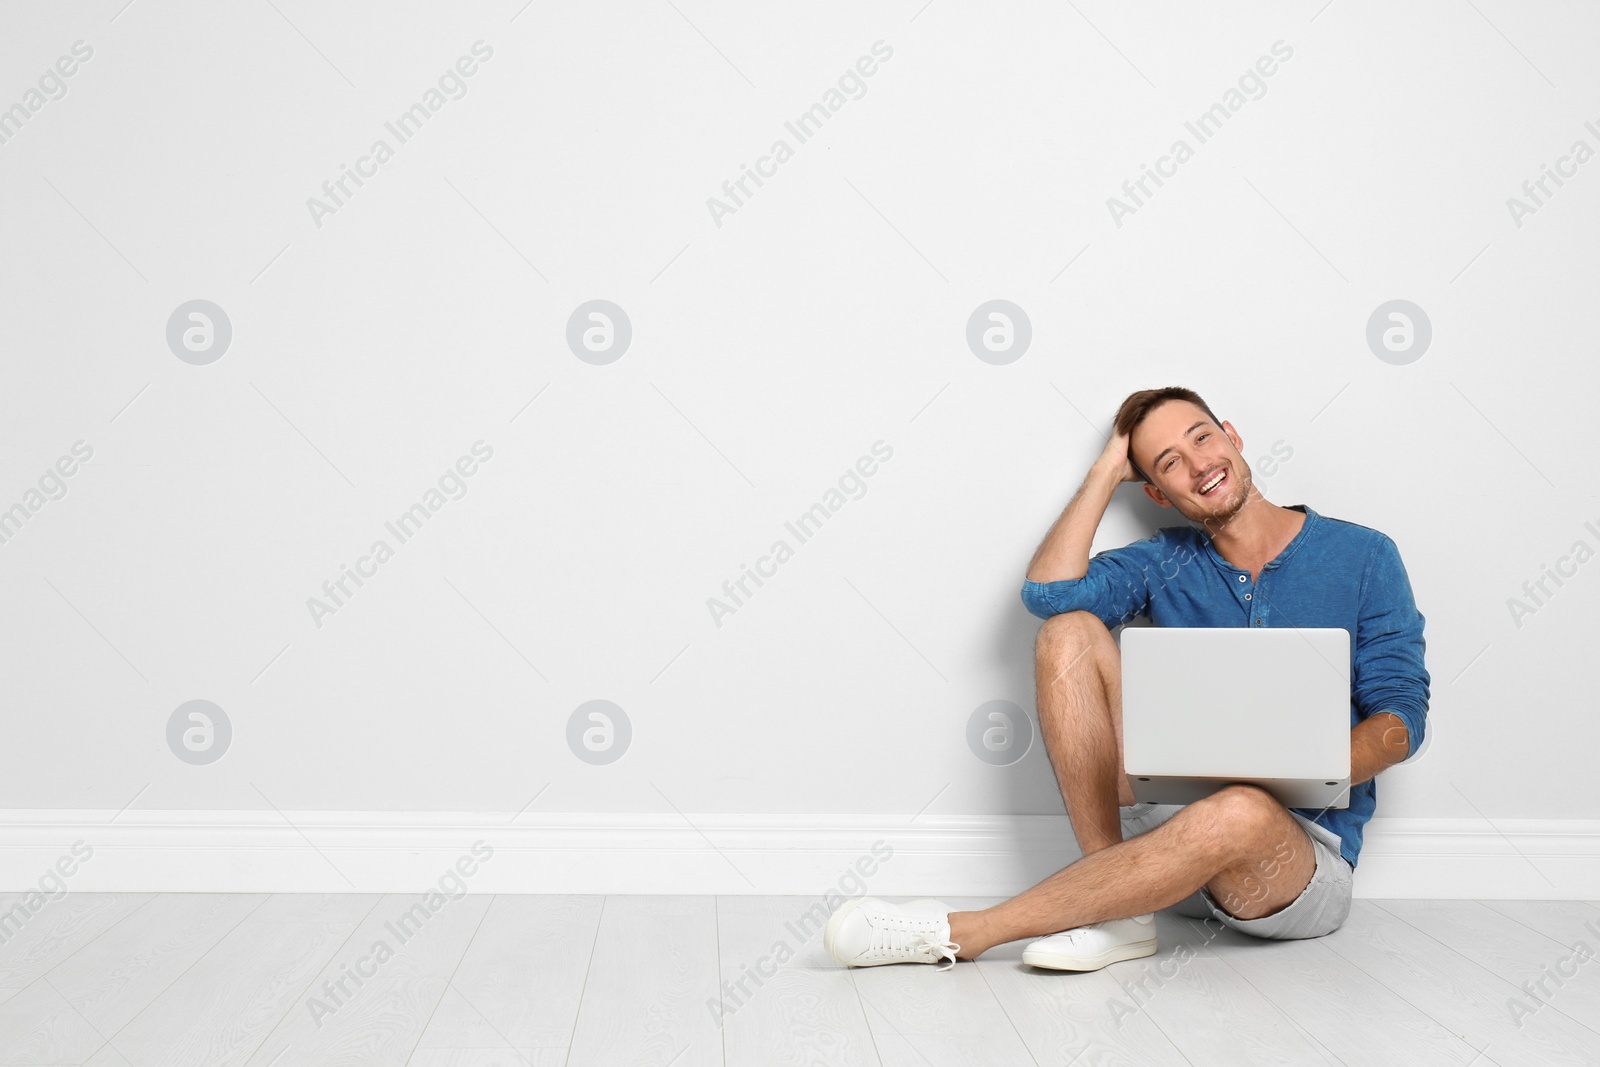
(1333, 574)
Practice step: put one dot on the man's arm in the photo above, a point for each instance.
(1391, 683)
(1064, 552)
(1377, 743)
(1115, 585)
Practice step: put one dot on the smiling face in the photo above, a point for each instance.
(1183, 451)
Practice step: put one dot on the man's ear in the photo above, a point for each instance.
(1157, 495)
(1233, 435)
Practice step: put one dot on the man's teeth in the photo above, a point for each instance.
(1213, 483)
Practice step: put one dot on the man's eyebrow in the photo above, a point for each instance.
(1157, 461)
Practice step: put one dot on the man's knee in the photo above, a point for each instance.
(1270, 857)
(1240, 816)
(1072, 633)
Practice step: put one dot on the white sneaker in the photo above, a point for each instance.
(1089, 948)
(868, 932)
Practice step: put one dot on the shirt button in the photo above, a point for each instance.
(1258, 622)
(1241, 577)
(1247, 596)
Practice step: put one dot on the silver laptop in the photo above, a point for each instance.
(1206, 706)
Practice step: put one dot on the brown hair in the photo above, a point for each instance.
(1140, 404)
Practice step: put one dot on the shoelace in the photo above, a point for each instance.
(902, 941)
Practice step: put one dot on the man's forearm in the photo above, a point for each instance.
(1377, 743)
(1064, 552)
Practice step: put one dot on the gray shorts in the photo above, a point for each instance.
(1321, 907)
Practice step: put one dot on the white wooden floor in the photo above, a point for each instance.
(216, 979)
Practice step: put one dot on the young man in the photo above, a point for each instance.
(1238, 855)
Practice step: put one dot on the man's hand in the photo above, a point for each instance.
(1114, 459)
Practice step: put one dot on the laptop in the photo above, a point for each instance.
(1206, 706)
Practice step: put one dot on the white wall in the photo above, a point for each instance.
(768, 354)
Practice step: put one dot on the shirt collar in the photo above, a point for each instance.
(1282, 557)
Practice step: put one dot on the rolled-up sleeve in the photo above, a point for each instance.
(1389, 671)
(1116, 587)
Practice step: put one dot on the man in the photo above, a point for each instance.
(1238, 855)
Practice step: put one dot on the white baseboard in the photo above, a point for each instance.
(406, 852)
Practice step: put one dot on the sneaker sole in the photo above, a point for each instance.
(1056, 962)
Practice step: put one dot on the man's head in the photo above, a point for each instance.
(1177, 446)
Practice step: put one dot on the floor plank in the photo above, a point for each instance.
(1335, 1002)
(371, 1001)
(1509, 949)
(1568, 922)
(38, 1026)
(126, 980)
(1465, 998)
(519, 983)
(96, 991)
(316, 908)
(926, 1017)
(783, 999)
(483, 1057)
(1087, 1019)
(220, 1010)
(653, 968)
(1216, 1016)
(43, 938)
(116, 976)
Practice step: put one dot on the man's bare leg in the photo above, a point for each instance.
(1241, 842)
(1078, 684)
